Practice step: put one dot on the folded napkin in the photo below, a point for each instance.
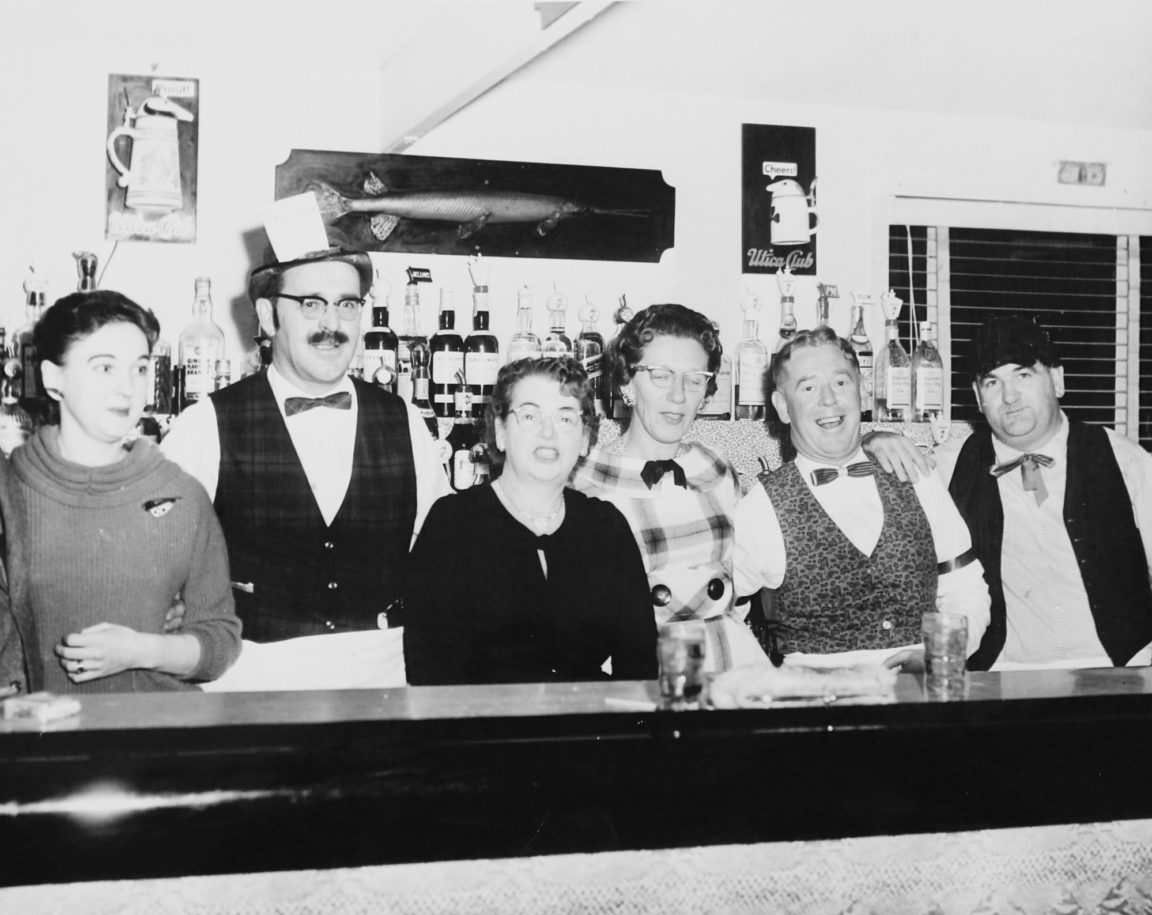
(757, 685)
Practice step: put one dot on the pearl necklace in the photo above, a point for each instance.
(539, 523)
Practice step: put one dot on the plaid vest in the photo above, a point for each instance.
(1099, 521)
(834, 597)
(306, 577)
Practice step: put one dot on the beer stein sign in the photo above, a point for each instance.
(780, 218)
(151, 158)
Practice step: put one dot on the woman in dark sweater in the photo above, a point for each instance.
(525, 580)
(114, 531)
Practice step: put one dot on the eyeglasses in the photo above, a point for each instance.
(565, 421)
(314, 306)
(662, 377)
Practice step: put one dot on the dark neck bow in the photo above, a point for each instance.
(1029, 465)
(822, 475)
(654, 470)
(341, 400)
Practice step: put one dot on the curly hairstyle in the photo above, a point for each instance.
(626, 351)
(567, 372)
(81, 314)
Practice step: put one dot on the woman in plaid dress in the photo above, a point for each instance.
(678, 496)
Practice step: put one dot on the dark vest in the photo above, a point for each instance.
(306, 577)
(1098, 518)
(833, 597)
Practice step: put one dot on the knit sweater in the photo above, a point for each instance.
(116, 544)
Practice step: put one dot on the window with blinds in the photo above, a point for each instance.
(1144, 255)
(1077, 285)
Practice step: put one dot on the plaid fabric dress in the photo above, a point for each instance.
(686, 537)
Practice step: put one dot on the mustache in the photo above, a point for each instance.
(337, 337)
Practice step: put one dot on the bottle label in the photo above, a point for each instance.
(463, 470)
(750, 380)
(445, 366)
(199, 378)
(929, 390)
(592, 367)
(481, 368)
(29, 360)
(420, 389)
(899, 388)
(867, 382)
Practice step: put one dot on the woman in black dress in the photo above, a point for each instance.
(525, 580)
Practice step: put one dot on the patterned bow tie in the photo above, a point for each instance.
(1029, 465)
(822, 475)
(654, 470)
(341, 400)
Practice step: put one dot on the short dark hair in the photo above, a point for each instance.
(664, 320)
(1011, 339)
(81, 314)
(564, 370)
(817, 336)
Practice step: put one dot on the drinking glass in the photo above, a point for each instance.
(945, 655)
(680, 649)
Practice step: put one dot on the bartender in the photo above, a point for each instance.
(320, 481)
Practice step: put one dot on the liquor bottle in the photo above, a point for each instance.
(15, 423)
(411, 339)
(719, 405)
(223, 373)
(621, 316)
(446, 363)
(893, 372)
(85, 270)
(825, 291)
(524, 344)
(462, 438)
(258, 356)
(787, 311)
(557, 342)
(29, 392)
(589, 350)
(380, 342)
(201, 345)
(927, 376)
(160, 379)
(481, 349)
(751, 364)
(421, 380)
(862, 346)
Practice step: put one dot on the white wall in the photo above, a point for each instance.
(257, 105)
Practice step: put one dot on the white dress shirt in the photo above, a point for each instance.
(853, 503)
(1049, 621)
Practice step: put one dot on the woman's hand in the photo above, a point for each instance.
(897, 455)
(909, 661)
(100, 651)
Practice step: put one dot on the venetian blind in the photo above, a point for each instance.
(1145, 365)
(1075, 284)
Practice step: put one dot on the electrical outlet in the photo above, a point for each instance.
(1070, 172)
(1094, 174)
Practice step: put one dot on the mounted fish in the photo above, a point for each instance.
(431, 204)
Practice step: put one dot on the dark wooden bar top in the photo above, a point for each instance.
(158, 785)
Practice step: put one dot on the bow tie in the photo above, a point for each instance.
(341, 400)
(822, 475)
(1029, 465)
(654, 470)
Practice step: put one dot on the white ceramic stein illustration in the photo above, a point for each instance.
(153, 179)
(791, 208)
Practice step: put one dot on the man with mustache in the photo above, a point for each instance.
(320, 482)
(855, 557)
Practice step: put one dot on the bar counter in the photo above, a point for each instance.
(152, 785)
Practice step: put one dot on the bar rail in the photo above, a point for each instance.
(158, 785)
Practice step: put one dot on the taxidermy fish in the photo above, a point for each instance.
(470, 210)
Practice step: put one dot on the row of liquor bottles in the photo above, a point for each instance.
(452, 374)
